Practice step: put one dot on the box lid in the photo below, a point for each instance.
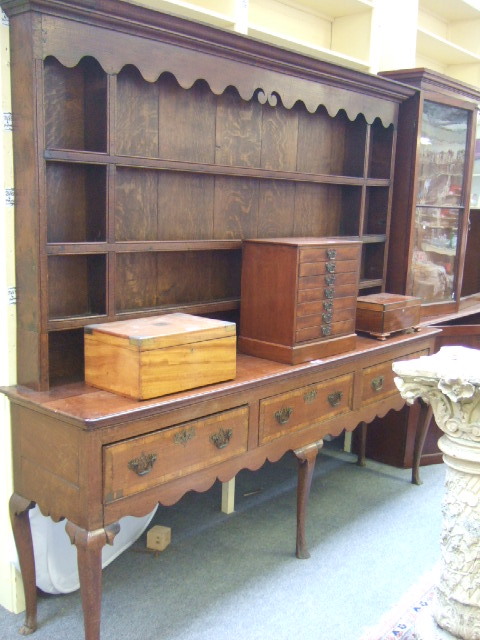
(386, 301)
(158, 332)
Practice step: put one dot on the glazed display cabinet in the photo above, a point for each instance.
(432, 193)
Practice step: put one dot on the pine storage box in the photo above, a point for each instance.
(382, 314)
(149, 357)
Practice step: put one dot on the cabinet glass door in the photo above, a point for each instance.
(440, 201)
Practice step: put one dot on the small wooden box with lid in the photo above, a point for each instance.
(154, 356)
(298, 298)
(381, 314)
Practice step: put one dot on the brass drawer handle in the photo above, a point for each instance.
(309, 396)
(326, 330)
(183, 436)
(377, 383)
(329, 292)
(335, 398)
(331, 254)
(328, 306)
(282, 416)
(327, 317)
(330, 278)
(143, 464)
(330, 267)
(221, 438)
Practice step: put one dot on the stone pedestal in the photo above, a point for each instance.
(450, 382)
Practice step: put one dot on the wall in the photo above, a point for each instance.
(11, 594)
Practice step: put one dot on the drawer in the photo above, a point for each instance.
(322, 254)
(327, 267)
(325, 330)
(304, 407)
(377, 381)
(143, 462)
(345, 268)
(326, 291)
(307, 311)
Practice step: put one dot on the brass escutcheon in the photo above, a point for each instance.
(327, 317)
(330, 267)
(335, 398)
(326, 330)
(329, 292)
(143, 464)
(221, 438)
(377, 383)
(183, 436)
(331, 254)
(330, 278)
(282, 416)
(309, 396)
(328, 306)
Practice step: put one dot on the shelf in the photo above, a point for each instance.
(214, 13)
(332, 8)
(444, 251)
(80, 157)
(435, 47)
(368, 284)
(450, 10)
(160, 245)
(281, 40)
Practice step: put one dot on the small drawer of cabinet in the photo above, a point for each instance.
(378, 380)
(304, 407)
(137, 464)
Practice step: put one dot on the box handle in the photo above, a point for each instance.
(143, 464)
(282, 416)
(335, 398)
(221, 438)
(377, 383)
(183, 436)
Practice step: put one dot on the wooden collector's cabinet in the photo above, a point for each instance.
(298, 298)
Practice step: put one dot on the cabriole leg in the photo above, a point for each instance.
(19, 508)
(89, 558)
(306, 457)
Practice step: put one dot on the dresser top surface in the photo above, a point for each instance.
(90, 408)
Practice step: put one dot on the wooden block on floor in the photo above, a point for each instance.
(159, 537)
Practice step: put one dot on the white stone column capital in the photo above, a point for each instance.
(450, 382)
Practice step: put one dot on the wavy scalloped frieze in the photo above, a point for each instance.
(48, 512)
(114, 50)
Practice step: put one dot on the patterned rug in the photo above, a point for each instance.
(399, 622)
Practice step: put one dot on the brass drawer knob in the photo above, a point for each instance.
(143, 464)
(330, 267)
(377, 383)
(335, 398)
(183, 436)
(309, 396)
(282, 416)
(331, 254)
(221, 438)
